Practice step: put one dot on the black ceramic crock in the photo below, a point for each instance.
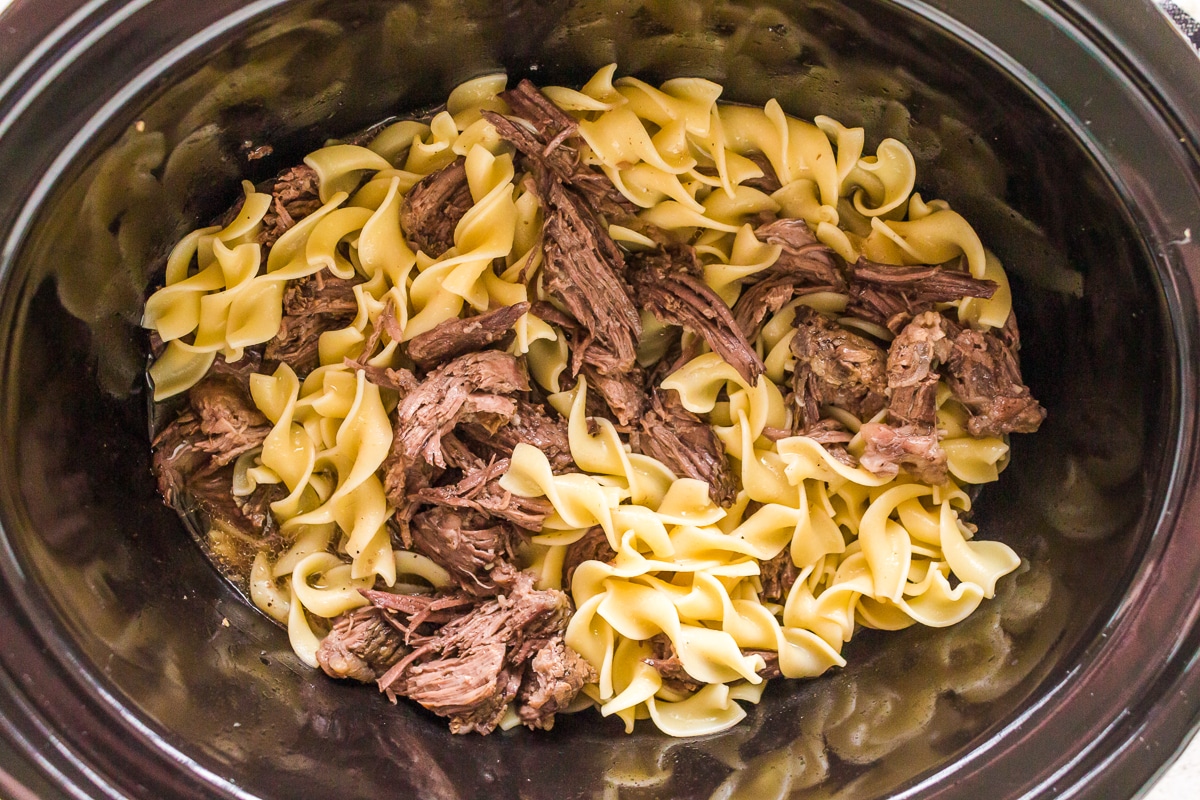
(1066, 131)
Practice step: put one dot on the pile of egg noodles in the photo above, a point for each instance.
(871, 551)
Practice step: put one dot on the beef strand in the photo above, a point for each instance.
(455, 337)
(433, 208)
(685, 444)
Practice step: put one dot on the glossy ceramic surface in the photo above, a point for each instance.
(131, 669)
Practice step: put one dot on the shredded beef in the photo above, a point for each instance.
(911, 369)
(479, 489)
(550, 145)
(312, 305)
(624, 395)
(984, 375)
(678, 298)
(555, 675)
(910, 438)
(295, 195)
(472, 667)
(834, 367)
(769, 182)
(802, 254)
(593, 546)
(192, 455)
(892, 296)
(362, 645)
(457, 336)
(777, 576)
(583, 268)
(228, 418)
(320, 293)
(914, 447)
(433, 208)
(530, 424)
(466, 544)
(686, 444)
(433, 408)
(675, 678)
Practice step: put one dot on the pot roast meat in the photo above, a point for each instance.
(433, 408)
(468, 545)
(228, 418)
(550, 144)
(530, 424)
(834, 367)
(296, 194)
(472, 667)
(802, 254)
(910, 437)
(678, 298)
(555, 675)
(777, 576)
(479, 489)
(320, 293)
(454, 337)
(312, 305)
(592, 546)
(914, 447)
(892, 295)
(622, 394)
(583, 268)
(361, 646)
(985, 376)
(805, 266)
(433, 208)
(685, 444)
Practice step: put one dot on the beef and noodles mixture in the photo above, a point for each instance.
(616, 397)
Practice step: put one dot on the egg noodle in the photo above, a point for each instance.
(872, 551)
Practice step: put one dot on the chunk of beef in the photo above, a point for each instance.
(530, 424)
(454, 337)
(549, 144)
(466, 544)
(362, 645)
(678, 298)
(777, 576)
(433, 408)
(623, 395)
(685, 444)
(829, 433)
(479, 489)
(910, 438)
(175, 456)
(802, 254)
(583, 268)
(555, 676)
(312, 306)
(762, 299)
(433, 208)
(471, 668)
(295, 195)
(666, 661)
(834, 367)
(229, 420)
(192, 456)
(593, 546)
(911, 369)
(891, 295)
(914, 447)
(321, 293)
(984, 375)
(411, 611)
(769, 182)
